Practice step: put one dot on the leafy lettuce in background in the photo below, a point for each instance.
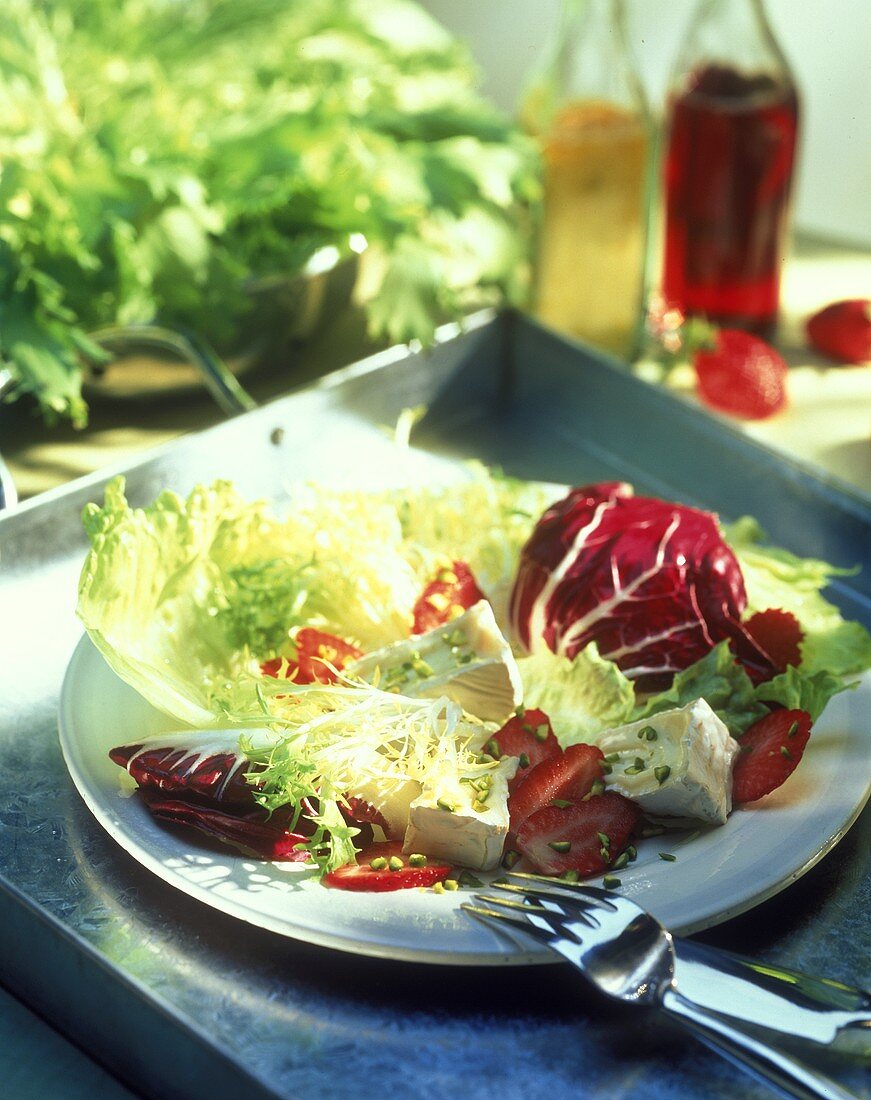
(159, 155)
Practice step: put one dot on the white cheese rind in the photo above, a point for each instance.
(698, 750)
(461, 835)
(479, 673)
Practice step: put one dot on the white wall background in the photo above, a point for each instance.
(828, 43)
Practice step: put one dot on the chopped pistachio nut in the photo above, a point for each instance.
(662, 773)
(446, 806)
(524, 760)
(468, 879)
(784, 751)
(668, 857)
(378, 864)
(395, 863)
(541, 732)
(438, 888)
(612, 757)
(610, 882)
(493, 748)
(560, 803)
(604, 840)
(417, 859)
(647, 733)
(570, 876)
(510, 859)
(620, 862)
(451, 884)
(560, 845)
(597, 788)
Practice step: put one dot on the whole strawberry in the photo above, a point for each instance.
(741, 375)
(842, 331)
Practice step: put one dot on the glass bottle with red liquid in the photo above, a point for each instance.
(729, 158)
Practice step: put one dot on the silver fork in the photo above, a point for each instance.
(629, 956)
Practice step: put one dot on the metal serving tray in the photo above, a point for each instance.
(180, 1001)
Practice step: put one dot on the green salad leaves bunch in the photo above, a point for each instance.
(157, 157)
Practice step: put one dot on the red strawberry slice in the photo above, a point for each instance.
(362, 876)
(567, 776)
(530, 737)
(557, 839)
(451, 592)
(778, 634)
(318, 654)
(741, 375)
(770, 752)
(842, 331)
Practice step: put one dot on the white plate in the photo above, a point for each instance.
(716, 874)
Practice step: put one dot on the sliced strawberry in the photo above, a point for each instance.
(318, 654)
(568, 776)
(362, 876)
(770, 752)
(842, 331)
(741, 375)
(557, 839)
(778, 634)
(530, 737)
(451, 592)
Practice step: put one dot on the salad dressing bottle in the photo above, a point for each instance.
(588, 110)
(732, 124)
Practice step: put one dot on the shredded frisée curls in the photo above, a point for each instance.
(331, 740)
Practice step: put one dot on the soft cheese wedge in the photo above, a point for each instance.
(466, 660)
(675, 765)
(462, 819)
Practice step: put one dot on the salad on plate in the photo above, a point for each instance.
(407, 688)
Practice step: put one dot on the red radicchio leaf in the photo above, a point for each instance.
(252, 833)
(651, 582)
(216, 777)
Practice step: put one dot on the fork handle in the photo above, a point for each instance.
(773, 1066)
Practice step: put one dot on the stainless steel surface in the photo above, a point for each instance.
(184, 1002)
(629, 956)
(219, 380)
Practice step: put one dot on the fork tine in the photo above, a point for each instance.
(554, 903)
(578, 890)
(510, 903)
(542, 932)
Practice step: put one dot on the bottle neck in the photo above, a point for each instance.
(593, 59)
(735, 34)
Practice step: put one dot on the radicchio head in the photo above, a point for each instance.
(651, 582)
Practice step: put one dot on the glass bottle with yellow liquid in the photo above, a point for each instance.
(587, 108)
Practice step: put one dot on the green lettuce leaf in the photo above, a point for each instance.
(796, 690)
(720, 681)
(581, 697)
(777, 578)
